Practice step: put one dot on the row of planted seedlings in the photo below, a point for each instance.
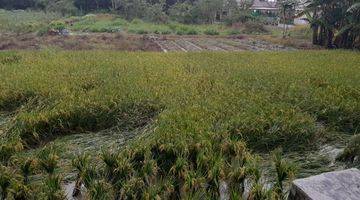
(160, 168)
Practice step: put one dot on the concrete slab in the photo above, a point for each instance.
(339, 185)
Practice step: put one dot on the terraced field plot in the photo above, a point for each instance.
(224, 44)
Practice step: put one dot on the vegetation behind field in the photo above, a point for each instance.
(20, 21)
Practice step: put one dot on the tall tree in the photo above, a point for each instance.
(287, 9)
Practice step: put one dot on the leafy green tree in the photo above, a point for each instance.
(287, 11)
(155, 12)
(207, 10)
(238, 11)
(182, 12)
(130, 9)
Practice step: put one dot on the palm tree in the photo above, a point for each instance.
(350, 33)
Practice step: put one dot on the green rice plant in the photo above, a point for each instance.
(111, 164)
(194, 183)
(180, 168)
(48, 162)
(284, 172)
(253, 169)
(259, 192)
(123, 172)
(133, 188)
(26, 167)
(100, 190)
(10, 58)
(149, 171)
(6, 152)
(237, 177)
(20, 191)
(215, 174)
(5, 182)
(52, 188)
(81, 163)
(89, 176)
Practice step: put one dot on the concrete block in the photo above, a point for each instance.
(339, 185)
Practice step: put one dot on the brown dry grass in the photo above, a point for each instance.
(288, 42)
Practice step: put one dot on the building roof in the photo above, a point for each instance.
(264, 5)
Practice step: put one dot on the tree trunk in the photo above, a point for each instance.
(330, 37)
(344, 40)
(315, 39)
(321, 36)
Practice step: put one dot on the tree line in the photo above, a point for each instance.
(186, 11)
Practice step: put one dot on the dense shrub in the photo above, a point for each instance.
(254, 28)
(211, 32)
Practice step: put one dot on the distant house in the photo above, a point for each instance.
(265, 6)
(270, 10)
(300, 8)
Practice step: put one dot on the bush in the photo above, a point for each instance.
(180, 32)
(57, 25)
(137, 21)
(211, 32)
(242, 17)
(234, 32)
(254, 28)
(162, 32)
(142, 32)
(191, 32)
(166, 32)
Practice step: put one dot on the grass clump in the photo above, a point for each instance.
(352, 152)
(211, 32)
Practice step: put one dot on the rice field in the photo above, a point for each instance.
(199, 118)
